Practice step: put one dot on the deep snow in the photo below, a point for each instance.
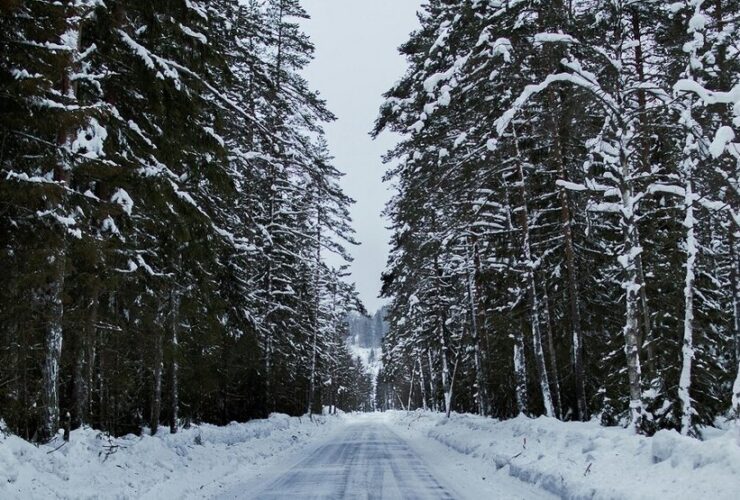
(586, 460)
(194, 463)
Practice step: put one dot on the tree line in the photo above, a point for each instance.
(566, 215)
(167, 207)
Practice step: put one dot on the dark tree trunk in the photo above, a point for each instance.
(174, 368)
(574, 298)
(157, 366)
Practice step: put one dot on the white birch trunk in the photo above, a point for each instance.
(520, 372)
(688, 167)
(631, 285)
(687, 351)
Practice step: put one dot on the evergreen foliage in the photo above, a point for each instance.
(565, 217)
(167, 207)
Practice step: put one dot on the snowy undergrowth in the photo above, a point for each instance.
(195, 462)
(585, 460)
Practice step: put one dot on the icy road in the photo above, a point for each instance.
(366, 459)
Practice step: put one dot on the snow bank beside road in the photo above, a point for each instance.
(195, 462)
(585, 460)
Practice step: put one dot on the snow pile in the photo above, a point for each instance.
(196, 462)
(586, 460)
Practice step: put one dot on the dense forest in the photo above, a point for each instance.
(167, 209)
(566, 214)
(365, 343)
(565, 217)
(368, 332)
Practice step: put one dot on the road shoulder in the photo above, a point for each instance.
(464, 475)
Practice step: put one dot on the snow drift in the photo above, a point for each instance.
(196, 462)
(585, 460)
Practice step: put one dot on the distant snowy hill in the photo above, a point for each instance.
(365, 340)
(366, 331)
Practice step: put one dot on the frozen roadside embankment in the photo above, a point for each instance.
(195, 462)
(586, 460)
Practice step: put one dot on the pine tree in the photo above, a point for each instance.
(170, 157)
(561, 135)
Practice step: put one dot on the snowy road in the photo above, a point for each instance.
(363, 461)
(367, 459)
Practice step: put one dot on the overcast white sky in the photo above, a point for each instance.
(356, 62)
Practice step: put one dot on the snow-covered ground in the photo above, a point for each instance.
(585, 460)
(195, 463)
(466, 456)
